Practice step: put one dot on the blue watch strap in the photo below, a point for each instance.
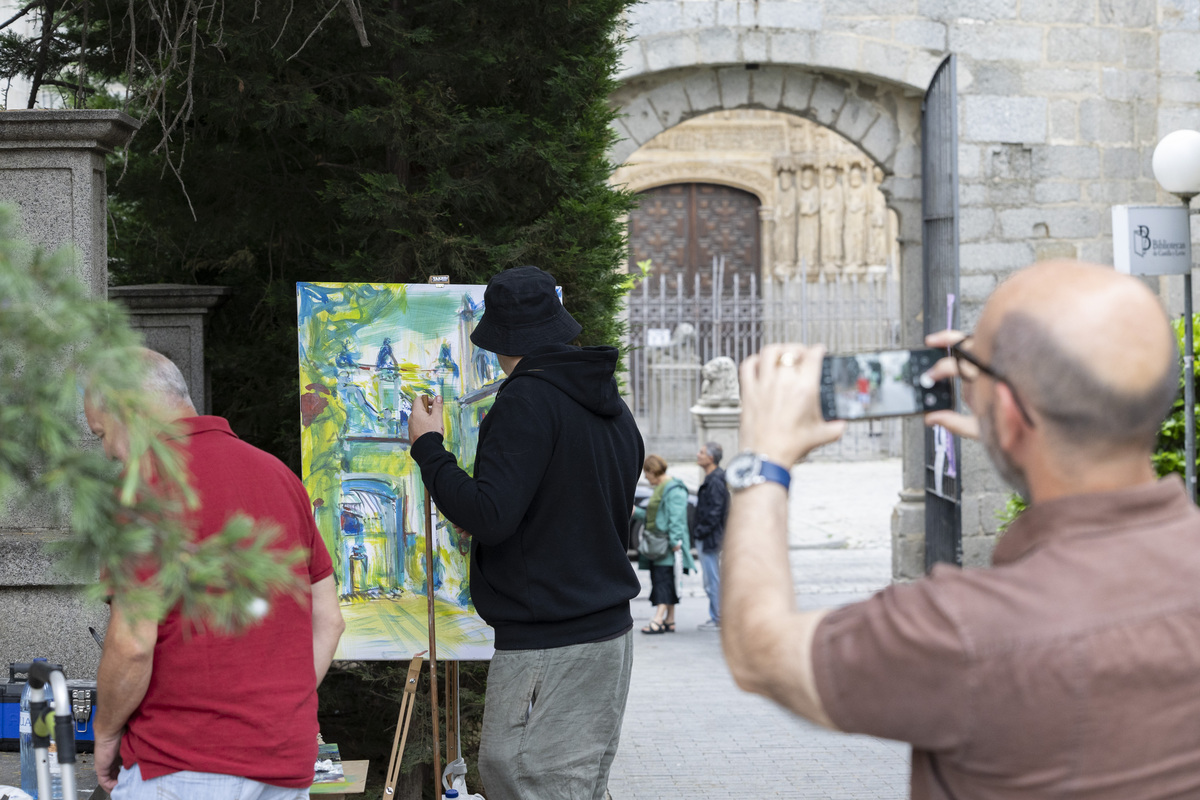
(774, 472)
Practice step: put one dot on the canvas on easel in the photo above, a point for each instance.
(368, 352)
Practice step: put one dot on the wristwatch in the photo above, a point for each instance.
(750, 469)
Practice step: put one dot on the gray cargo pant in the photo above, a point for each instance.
(552, 720)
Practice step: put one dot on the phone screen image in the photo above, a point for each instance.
(874, 385)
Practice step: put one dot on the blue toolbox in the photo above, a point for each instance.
(83, 709)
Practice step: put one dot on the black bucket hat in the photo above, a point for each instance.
(522, 312)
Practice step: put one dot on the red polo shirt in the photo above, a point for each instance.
(246, 704)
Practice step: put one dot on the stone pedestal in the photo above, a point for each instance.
(718, 425)
(52, 169)
(172, 319)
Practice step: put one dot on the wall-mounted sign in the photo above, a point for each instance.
(1152, 240)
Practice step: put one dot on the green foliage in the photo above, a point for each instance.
(468, 138)
(1169, 453)
(55, 339)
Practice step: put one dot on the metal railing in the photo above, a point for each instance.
(676, 326)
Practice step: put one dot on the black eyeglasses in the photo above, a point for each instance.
(970, 368)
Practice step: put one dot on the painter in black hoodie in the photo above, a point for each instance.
(548, 510)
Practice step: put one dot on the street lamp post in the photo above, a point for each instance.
(1176, 165)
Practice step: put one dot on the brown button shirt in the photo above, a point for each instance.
(1071, 669)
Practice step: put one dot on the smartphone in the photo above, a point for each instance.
(886, 383)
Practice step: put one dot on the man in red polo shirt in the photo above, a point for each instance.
(197, 715)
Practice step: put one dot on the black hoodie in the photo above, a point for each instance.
(548, 509)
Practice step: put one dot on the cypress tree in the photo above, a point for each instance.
(467, 138)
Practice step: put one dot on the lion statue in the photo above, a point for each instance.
(720, 387)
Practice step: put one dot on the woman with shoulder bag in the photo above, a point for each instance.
(664, 534)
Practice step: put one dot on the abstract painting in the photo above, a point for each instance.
(368, 352)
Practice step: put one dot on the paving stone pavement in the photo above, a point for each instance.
(690, 732)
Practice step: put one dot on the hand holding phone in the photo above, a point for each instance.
(889, 383)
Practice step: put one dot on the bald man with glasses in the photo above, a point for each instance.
(1071, 668)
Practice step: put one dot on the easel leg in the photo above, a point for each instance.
(453, 746)
(433, 690)
(399, 740)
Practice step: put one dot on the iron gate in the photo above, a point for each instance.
(677, 325)
(939, 249)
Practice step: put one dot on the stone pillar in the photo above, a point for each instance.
(172, 318)
(52, 168)
(718, 425)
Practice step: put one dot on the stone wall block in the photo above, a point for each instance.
(921, 67)
(1063, 80)
(1059, 162)
(997, 41)
(735, 86)
(924, 33)
(702, 90)
(632, 61)
(624, 147)
(641, 121)
(975, 224)
(1179, 15)
(980, 10)
(977, 551)
(698, 13)
(1082, 12)
(1173, 118)
(970, 160)
(754, 47)
(727, 13)
(865, 8)
(886, 61)
(991, 118)
(766, 87)
(975, 194)
(1128, 85)
(996, 77)
(978, 473)
(1128, 13)
(654, 17)
(1064, 121)
(994, 257)
(1055, 222)
(669, 104)
(1122, 163)
(670, 52)
(855, 117)
(1083, 45)
(718, 46)
(907, 161)
(1056, 192)
(976, 288)
(1106, 121)
(881, 140)
(790, 47)
(789, 15)
(797, 91)
(828, 97)
(836, 51)
(1179, 89)
(867, 27)
(1010, 193)
(1140, 49)
(1009, 162)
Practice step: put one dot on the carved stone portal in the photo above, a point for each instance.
(824, 209)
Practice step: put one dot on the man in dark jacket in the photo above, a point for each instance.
(548, 511)
(712, 507)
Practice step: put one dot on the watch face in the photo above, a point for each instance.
(742, 471)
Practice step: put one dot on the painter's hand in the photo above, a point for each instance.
(947, 368)
(781, 403)
(421, 422)
(106, 759)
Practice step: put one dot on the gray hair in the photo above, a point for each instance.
(1084, 410)
(715, 451)
(163, 382)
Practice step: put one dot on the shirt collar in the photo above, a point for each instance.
(205, 424)
(1141, 506)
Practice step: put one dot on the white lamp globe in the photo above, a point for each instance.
(1176, 163)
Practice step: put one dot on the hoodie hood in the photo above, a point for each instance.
(585, 374)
